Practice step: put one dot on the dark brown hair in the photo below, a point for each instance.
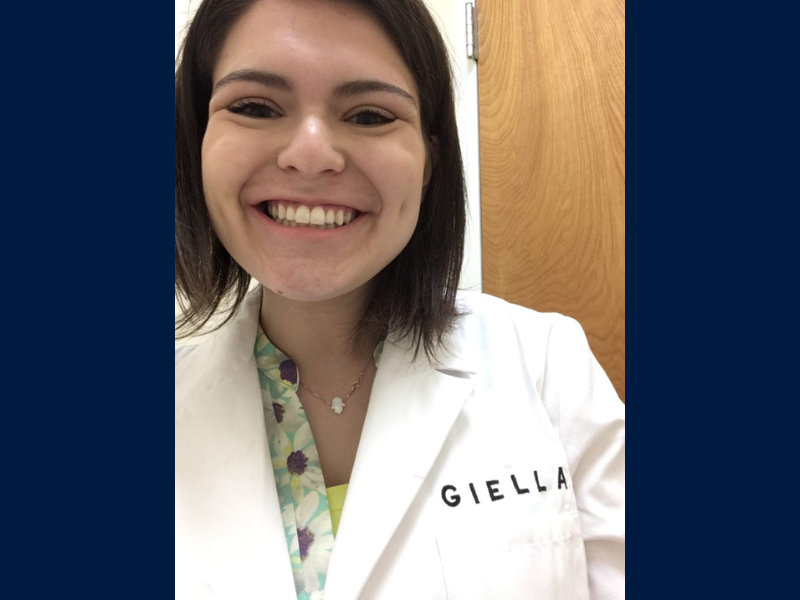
(414, 296)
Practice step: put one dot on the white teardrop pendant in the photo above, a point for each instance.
(337, 405)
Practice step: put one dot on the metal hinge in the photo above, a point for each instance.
(472, 32)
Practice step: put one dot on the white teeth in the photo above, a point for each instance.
(318, 215)
(302, 214)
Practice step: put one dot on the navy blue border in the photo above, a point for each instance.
(88, 427)
(711, 279)
(711, 189)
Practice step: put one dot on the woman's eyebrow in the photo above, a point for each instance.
(264, 78)
(343, 90)
(363, 86)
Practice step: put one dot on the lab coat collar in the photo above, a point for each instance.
(224, 351)
(411, 411)
(229, 532)
(412, 408)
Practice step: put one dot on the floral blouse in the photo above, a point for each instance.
(301, 489)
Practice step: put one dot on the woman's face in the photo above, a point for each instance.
(314, 115)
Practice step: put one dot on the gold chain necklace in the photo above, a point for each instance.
(337, 404)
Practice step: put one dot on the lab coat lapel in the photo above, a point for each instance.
(412, 408)
(229, 533)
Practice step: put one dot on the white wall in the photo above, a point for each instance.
(466, 82)
(184, 9)
(450, 16)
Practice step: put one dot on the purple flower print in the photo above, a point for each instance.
(279, 410)
(304, 538)
(289, 371)
(296, 462)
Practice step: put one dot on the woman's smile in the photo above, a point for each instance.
(293, 214)
(315, 222)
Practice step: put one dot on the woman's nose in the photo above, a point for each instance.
(311, 150)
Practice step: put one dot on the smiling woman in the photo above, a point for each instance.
(336, 133)
(228, 90)
(317, 153)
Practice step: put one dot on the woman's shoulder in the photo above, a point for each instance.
(183, 350)
(491, 325)
(488, 310)
(226, 343)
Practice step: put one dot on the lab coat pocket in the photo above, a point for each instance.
(546, 562)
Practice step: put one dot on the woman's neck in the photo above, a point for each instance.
(317, 336)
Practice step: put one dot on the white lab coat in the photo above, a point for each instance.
(520, 395)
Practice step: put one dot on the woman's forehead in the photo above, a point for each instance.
(314, 40)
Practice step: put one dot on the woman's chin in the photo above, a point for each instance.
(310, 291)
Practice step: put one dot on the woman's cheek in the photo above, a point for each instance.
(229, 160)
(401, 169)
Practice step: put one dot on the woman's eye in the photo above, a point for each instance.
(254, 109)
(371, 117)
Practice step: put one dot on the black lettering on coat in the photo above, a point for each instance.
(516, 486)
(561, 478)
(494, 493)
(542, 488)
(474, 493)
(454, 500)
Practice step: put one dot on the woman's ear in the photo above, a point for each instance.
(430, 161)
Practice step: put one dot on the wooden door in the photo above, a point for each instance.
(551, 80)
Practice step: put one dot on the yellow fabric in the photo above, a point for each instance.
(336, 496)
